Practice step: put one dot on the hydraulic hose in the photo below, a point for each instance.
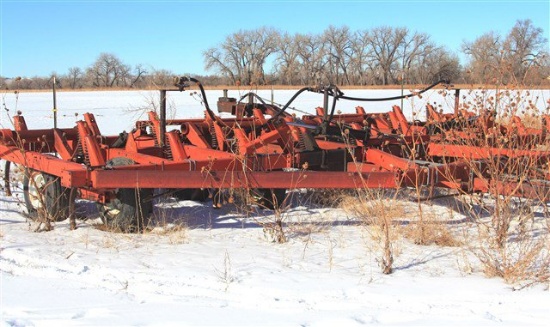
(328, 118)
(181, 84)
(338, 94)
(399, 97)
(291, 100)
(332, 90)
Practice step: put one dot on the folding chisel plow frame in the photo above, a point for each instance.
(263, 149)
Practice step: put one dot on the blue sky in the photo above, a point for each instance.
(41, 37)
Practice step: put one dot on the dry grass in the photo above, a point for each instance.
(109, 241)
(176, 233)
(378, 214)
(505, 235)
(373, 205)
(523, 260)
(428, 225)
(429, 233)
(225, 276)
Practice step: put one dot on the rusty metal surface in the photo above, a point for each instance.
(360, 150)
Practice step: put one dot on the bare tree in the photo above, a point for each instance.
(385, 42)
(523, 47)
(74, 77)
(539, 73)
(262, 45)
(360, 64)
(311, 53)
(26, 83)
(222, 62)
(39, 83)
(138, 78)
(508, 59)
(243, 55)
(485, 57)
(287, 63)
(412, 50)
(108, 71)
(160, 78)
(438, 64)
(339, 53)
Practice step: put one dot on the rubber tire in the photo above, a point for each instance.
(50, 194)
(129, 212)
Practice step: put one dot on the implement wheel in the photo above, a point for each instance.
(130, 209)
(45, 197)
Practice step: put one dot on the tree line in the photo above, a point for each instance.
(378, 56)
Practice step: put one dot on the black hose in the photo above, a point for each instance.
(333, 91)
(250, 106)
(399, 97)
(181, 84)
(291, 100)
(328, 117)
(338, 94)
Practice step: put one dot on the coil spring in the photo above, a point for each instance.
(301, 143)
(153, 133)
(167, 149)
(82, 151)
(213, 136)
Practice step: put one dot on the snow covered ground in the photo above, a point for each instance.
(221, 268)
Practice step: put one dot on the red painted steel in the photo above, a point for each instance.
(359, 150)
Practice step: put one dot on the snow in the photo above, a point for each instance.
(221, 268)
